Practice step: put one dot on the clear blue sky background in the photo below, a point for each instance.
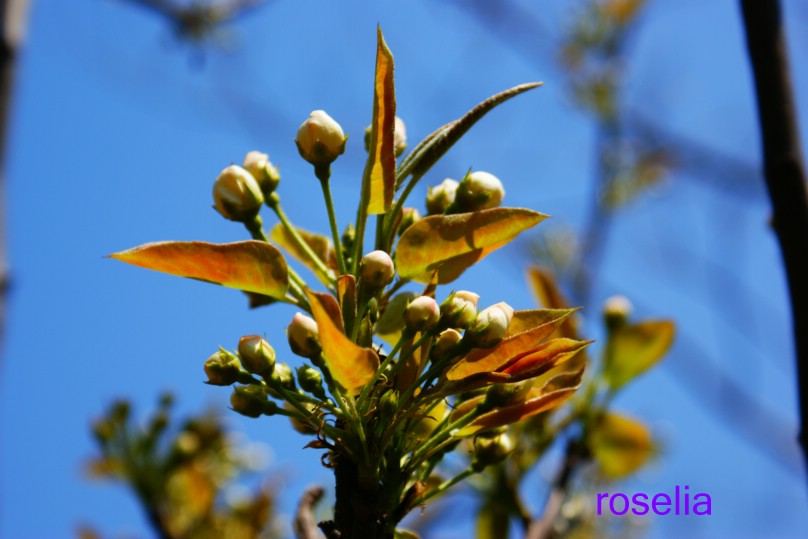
(116, 139)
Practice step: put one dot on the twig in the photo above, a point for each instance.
(542, 528)
(783, 170)
(304, 523)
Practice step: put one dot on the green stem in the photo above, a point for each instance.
(437, 439)
(390, 233)
(361, 403)
(443, 487)
(324, 174)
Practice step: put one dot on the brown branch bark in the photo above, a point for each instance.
(305, 524)
(783, 170)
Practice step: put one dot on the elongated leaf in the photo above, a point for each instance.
(620, 445)
(434, 146)
(346, 290)
(549, 354)
(444, 239)
(634, 349)
(509, 349)
(320, 245)
(352, 366)
(252, 266)
(546, 290)
(533, 318)
(378, 186)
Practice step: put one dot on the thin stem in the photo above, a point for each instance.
(443, 487)
(363, 396)
(324, 174)
(390, 233)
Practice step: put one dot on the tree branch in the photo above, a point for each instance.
(304, 523)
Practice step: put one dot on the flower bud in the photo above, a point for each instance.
(616, 311)
(236, 194)
(320, 139)
(250, 400)
(422, 313)
(376, 269)
(438, 199)
(479, 191)
(283, 375)
(264, 172)
(409, 216)
(300, 426)
(490, 326)
(399, 137)
(304, 336)
(459, 309)
(257, 356)
(447, 340)
(222, 368)
(491, 449)
(311, 381)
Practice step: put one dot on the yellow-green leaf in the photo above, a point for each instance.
(458, 241)
(320, 245)
(378, 185)
(621, 445)
(352, 366)
(633, 349)
(252, 266)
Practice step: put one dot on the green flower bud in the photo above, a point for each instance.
(479, 191)
(320, 139)
(491, 449)
(311, 381)
(490, 326)
(257, 356)
(251, 401)
(409, 216)
(304, 336)
(302, 427)
(499, 395)
(236, 194)
(459, 309)
(422, 313)
(376, 269)
(283, 375)
(264, 172)
(447, 340)
(388, 404)
(222, 368)
(616, 311)
(438, 199)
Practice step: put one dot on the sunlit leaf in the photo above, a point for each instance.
(547, 356)
(329, 303)
(634, 349)
(458, 241)
(545, 287)
(352, 366)
(320, 245)
(346, 291)
(620, 445)
(378, 186)
(252, 266)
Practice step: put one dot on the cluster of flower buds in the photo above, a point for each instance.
(239, 191)
(477, 191)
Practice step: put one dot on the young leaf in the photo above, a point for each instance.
(378, 185)
(451, 243)
(546, 290)
(320, 245)
(634, 349)
(351, 366)
(251, 266)
(620, 445)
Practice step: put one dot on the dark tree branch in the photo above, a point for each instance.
(783, 170)
(542, 528)
(304, 524)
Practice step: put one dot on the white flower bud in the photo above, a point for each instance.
(304, 336)
(400, 136)
(459, 309)
(320, 139)
(236, 194)
(616, 311)
(490, 326)
(422, 313)
(409, 216)
(447, 340)
(256, 355)
(264, 172)
(376, 269)
(439, 198)
(479, 191)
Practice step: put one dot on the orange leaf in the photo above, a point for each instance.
(351, 365)
(252, 266)
(379, 183)
(458, 241)
(547, 356)
(319, 244)
(546, 291)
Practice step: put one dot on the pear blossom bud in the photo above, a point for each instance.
(251, 401)
(304, 336)
(236, 194)
(491, 449)
(459, 309)
(376, 269)
(282, 376)
(257, 356)
(311, 381)
(490, 326)
(422, 313)
(409, 216)
(616, 311)
(264, 172)
(438, 199)
(447, 340)
(222, 368)
(479, 191)
(400, 136)
(320, 139)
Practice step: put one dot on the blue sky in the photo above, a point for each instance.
(116, 138)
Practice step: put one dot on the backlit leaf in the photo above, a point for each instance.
(320, 245)
(620, 445)
(546, 290)
(458, 241)
(634, 349)
(352, 366)
(252, 266)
